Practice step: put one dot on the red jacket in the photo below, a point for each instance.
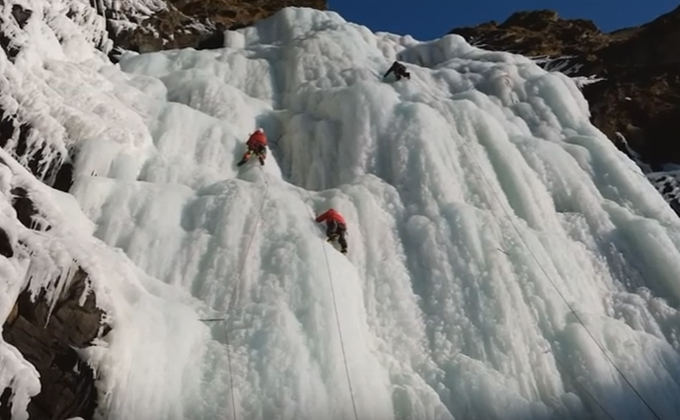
(256, 139)
(332, 215)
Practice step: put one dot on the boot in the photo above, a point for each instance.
(246, 158)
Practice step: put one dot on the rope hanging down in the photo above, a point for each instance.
(552, 282)
(337, 320)
(235, 289)
(545, 272)
(588, 393)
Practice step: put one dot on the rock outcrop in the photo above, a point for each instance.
(47, 341)
(46, 324)
(639, 96)
(198, 24)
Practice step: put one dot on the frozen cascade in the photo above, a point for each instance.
(478, 195)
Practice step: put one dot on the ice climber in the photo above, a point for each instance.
(399, 71)
(336, 228)
(257, 144)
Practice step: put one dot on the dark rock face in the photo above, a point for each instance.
(21, 15)
(48, 339)
(194, 23)
(537, 33)
(668, 187)
(640, 96)
(68, 388)
(24, 207)
(6, 249)
(14, 134)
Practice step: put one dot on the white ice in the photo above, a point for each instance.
(504, 258)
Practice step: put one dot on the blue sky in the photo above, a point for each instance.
(428, 19)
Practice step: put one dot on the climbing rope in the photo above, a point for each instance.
(236, 288)
(231, 373)
(337, 320)
(552, 282)
(590, 394)
(342, 342)
(250, 241)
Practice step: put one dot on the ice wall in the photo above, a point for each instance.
(502, 252)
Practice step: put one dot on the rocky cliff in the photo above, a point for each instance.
(45, 327)
(170, 24)
(639, 96)
(48, 343)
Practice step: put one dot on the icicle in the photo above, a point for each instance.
(63, 281)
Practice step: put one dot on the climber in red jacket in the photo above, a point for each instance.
(257, 144)
(336, 228)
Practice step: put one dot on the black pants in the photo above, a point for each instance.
(260, 152)
(334, 228)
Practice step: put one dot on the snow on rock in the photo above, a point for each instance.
(49, 57)
(566, 64)
(665, 178)
(47, 117)
(668, 184)
(134, 8)
(569, 65)
(44, 264)
(31, 256)
(153, 25)
(46, 333)
(44, 39)
(639, 64)
(502, 252)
